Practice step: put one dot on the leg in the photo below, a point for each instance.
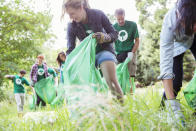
(108, 69)
(193, 47)
(178, 71)
(132, 71)
(38, 100)
(18, 101)
(22, 96)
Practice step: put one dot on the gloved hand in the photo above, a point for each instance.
(33, 90)
(130, 55)
(32, 84)
(174, 112)
(102, 37)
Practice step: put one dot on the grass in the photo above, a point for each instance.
(140, 112)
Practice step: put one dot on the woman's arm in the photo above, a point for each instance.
(71, 39)
(109, 28)
(166, 55)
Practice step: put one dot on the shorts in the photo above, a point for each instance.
(104, 56)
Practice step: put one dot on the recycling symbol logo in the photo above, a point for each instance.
(40, 71)
(18, 81)
(122, 35)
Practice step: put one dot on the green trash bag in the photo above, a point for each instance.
(79, 67)
(190, 92)
(123, 76)
(45, 89)
(59, 99)
(32, 101)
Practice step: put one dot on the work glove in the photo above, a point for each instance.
(174, 112)
(102, 37)
(130, 55)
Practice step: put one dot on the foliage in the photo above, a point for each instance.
(140, 112)
(22, 33)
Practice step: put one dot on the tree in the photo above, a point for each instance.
(22, 33)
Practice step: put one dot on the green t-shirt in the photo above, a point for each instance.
(52, 73)
(126, 36)
(87, 29)
(18, 84)
(40, 73)
(88, 32)
(61, 72)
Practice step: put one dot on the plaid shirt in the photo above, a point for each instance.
(34, 71)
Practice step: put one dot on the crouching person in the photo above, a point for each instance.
(19, 90)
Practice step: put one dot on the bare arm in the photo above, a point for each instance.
(9, 77)
(136, 45)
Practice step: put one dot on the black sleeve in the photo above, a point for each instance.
(71, 39)
(109, 28)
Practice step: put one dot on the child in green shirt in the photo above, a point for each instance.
(19, 90)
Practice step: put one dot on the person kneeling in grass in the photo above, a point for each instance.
(19, 90)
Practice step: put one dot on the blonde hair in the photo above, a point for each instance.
(76, 4)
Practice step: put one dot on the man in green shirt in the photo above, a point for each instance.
(19, 90)
(127, 43)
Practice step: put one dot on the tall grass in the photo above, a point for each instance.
(99, 112)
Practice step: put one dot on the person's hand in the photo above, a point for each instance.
(33, 90)
(130, 55)
(101, 37)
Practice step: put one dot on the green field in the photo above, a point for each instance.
(140, 112)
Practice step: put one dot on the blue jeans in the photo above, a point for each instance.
(104, 56)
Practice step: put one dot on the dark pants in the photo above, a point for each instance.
(178, 71)
(39, 100)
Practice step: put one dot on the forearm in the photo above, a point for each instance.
(136, 45)
(168, 87)
(71, 39)
(9, 76)
(113, 35)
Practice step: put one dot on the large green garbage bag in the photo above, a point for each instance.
(32, 101)
(79, 68)
(45, 89)
(48, 93)
(123, 76)
(59, 99)
(190, 92)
